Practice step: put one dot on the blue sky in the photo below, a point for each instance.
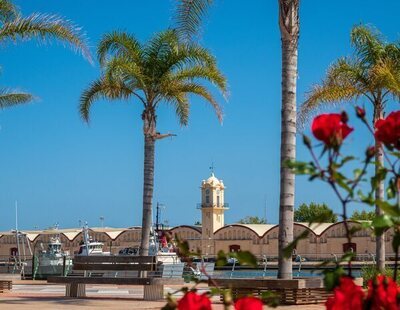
(62, 170)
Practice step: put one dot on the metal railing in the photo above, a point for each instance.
(213, 205)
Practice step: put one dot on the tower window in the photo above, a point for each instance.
(207, 199)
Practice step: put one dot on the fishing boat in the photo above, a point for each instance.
(50, 261)
(89, 246)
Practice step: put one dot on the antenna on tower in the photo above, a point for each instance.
(212, 167)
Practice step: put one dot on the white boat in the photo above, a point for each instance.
(90, 247)
(164, 253)
(50, 261)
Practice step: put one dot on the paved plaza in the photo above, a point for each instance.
(44, 296)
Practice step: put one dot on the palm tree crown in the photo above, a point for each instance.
(373, 73)
(43, 27)
(162, 71)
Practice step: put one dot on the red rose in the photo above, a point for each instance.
(193, 301)
(360, 112)
(330, 129)
(382, 293)
(347, 296)
(248, 303)
(387, 130)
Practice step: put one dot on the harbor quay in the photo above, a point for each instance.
(325, 241)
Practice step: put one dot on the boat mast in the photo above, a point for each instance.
(17, 233)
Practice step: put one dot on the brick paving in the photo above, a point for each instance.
(38, 295)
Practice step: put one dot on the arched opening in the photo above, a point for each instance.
(349, 247)
(234, 248)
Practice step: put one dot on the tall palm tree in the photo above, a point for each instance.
(371, 74)
(43, 27)
(188, 19)
(161, 71)
(289, 28)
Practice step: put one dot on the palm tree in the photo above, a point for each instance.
(43, 27)
(289, 28)
(188, 19)
(373, 74)
(161, 71)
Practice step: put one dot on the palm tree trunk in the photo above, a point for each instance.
(289, 27)
(379, 194)
(148, 180)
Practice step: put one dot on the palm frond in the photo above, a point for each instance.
(368, 43)
(385, 75)
(9, 98)
(8, 11)
(161, 45)
(45, 27)
(189, 74)
(101, 89)
(125, 70)
(200, 90)
(188, 17)
(118, 44)
(182, 107)
(324, 95)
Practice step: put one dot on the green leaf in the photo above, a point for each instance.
(366, 199)
(221, 259)
(288, 250)
(270, 298)
(332, 278)
(381, 223)
(345, 160)
(378, 177)
(388, 208)
(246, 258)
(391, 190)
(348, 256)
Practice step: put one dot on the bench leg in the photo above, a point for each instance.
(75, 290)
(153, 292)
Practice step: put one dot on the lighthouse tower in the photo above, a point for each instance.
(212, 208)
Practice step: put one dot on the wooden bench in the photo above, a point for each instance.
(5, 285)
(290, 292)
(118, 270)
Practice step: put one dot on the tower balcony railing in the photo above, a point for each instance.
(213, 205)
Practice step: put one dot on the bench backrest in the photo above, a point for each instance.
(208, 268)
(115, 263)
(172, 270)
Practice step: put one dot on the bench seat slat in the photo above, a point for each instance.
(114, 259)
(141, 267)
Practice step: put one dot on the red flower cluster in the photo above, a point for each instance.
(387, 130)
(331, 129)
(248, 303)
(347, 296)
(194, 301)
(383, 293)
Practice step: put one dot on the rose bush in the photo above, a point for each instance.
(387, 130)
(248, 303)
(193, 301)
(331, 129)
(347, 296)
(383, 293)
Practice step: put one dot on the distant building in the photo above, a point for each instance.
(323, 240)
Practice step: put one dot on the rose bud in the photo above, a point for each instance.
(344, 117)
(307, 141)
(370, 152)
(360, 112)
